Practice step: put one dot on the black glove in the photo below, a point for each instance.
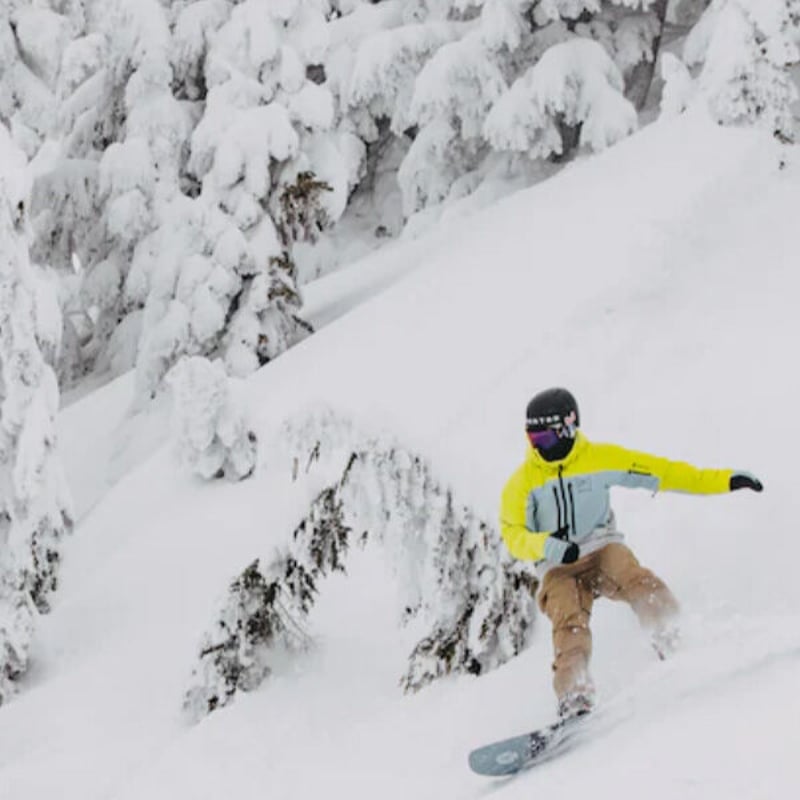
(570, 554)
(744, 480)
(558, 549)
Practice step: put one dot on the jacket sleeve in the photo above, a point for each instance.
(642, 470)
(521, 542)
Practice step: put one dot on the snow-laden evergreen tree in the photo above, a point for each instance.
(382, 81)
(747, 48)
(679, 88)
(477, 605)
(199, 145)
(214, 438)
(375, 199)
(32, 39)
(572, 97)
(122, 136)
(631, 31)
(263, 613)
(459, 80)
(266, 169)
(34, 506)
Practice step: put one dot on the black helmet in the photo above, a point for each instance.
(552, 408)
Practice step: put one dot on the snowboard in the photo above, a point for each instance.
(509, 756)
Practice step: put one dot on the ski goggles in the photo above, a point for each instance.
(544, 439)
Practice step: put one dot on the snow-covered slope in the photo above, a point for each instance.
(659, 283)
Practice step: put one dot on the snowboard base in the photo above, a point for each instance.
(517, 753)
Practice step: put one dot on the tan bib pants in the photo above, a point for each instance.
(566, 597)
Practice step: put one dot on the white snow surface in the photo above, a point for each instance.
(659, 282)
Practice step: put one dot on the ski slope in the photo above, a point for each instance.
(659, 282)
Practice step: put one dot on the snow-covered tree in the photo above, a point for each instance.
(472, 84)
(260, 617)
(34, 506)
(631, 31)
(571, 97)
(747, 48)
(381, 87)
(679, 88)
(198, 148)
(32, 38)
(213, 436)
(387, 65)
(122, 135)
(457, 579)
(218, 277)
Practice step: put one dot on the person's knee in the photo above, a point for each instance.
(619, 561)
(567, 617)
(563, 600)
(652, 600)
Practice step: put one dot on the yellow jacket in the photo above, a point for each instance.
(543, 496)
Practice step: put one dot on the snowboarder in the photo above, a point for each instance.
(556, 512)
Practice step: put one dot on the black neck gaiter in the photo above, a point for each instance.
(561, 449)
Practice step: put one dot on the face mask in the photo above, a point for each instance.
(553, 444)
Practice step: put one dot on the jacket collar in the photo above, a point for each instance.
(581, 443)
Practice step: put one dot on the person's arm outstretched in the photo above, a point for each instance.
(635, 469)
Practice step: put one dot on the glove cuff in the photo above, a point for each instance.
(560, 551)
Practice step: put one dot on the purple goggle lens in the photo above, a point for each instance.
(543, 440)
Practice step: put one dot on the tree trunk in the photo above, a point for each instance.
(641, 77)
(570, 140)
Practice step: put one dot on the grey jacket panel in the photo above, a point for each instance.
(633, 480)
(580, 502)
